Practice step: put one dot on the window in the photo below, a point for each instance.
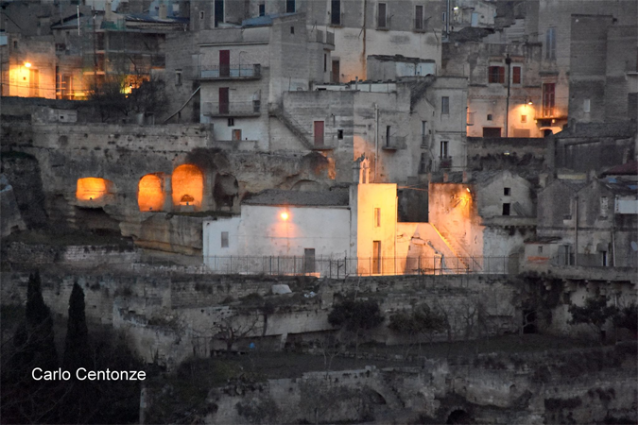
(424, 133)
(603, 255)
(178, 77)
(540, 249)
(224, 239)
(491, 131)
(335, 12)
(604, 205)
(339, 134)
(516, 75)
(325, 62)
(523, 119)
(377, 217)
(586, 106)
(290, 6)
(507, 191)
(262, 9)
(550, 43)
(231, 122)
(444, 150)
(387, 135)
(201, 14)
(318, 131)
(292, 30)
(489, 117)
(496, 75)
(418, 18)
(15, 44)
(236, 135)
(548, 99)
(506, 209)
(381, 17)
(445, 105)
(335, 71)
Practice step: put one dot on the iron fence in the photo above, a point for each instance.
(333, 267)
(247, 70)
(599, 260)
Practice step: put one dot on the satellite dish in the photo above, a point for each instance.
(634, 246)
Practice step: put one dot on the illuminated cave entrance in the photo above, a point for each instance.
(150, 193)
(92, 189)
(188, 186)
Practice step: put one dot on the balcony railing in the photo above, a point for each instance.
(229, 72)
(445, 163)
(599, 260)
(336, 19)
(419, 25)
(232, 109)
(393, 143)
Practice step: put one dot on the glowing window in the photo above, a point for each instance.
(91, 188)
(150, 194)
(188, 185)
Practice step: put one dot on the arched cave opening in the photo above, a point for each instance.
(92, 188)
(459, 417)
(226, 190)
(188, 186)
(150, 193)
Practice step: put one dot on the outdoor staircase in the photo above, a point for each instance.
(292, 125)
(457, 248)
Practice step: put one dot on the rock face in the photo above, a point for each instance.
(58, 155)
(516, 389)
(10, 220)
(22, 173)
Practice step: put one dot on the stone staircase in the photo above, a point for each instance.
(292, 125)
(458, 248)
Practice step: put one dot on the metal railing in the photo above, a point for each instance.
(595, 261)
(333, 267)
(247, 70)
(232, 109)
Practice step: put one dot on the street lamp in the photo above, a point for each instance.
(27, 64)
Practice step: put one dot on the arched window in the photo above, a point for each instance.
(188, 185)
(92, 188)
(150, 193)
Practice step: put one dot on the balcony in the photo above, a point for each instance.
(393, 143)
(232, 109)
(231, 72)
(445, 162)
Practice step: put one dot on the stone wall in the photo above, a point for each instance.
(527, 156)
(521, 388)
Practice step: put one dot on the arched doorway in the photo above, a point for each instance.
(188, 186)
(150, 193)
(458, 417)
(92, 189)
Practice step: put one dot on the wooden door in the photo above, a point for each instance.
(318, 133)
(223, 100)
(224, 63)
(335, 71)
(376, 257)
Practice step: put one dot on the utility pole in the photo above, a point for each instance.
(508, 62)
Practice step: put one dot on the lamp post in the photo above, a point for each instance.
(240, 61)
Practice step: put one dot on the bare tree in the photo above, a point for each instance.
(231, 329)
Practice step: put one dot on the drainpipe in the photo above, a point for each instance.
(508, 61)
(576, 231)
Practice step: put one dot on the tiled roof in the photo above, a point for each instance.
(628, 169)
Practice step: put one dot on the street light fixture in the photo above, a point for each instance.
(27, 64)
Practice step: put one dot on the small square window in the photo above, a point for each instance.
(339, 134)
(489, 117)
(523, 119)
(292, 30)
(540, 249)
(224, 239)
(507, 191)
(231, 122)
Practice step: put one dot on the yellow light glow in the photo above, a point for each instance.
(188, 185)
(284, 216)
(91, 188)
(468, 189)
(150, 195)
(27, 64)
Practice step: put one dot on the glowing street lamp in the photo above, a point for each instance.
(284, 216)
(27, 64)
